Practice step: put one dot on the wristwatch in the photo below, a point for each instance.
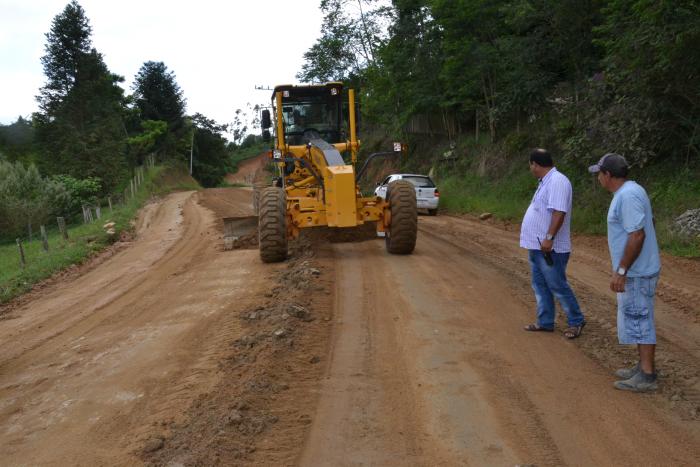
(549, 237)
(621, 271)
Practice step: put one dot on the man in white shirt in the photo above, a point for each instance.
(545, 233)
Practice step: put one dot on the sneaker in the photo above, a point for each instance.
(627, 373)
(640, 382)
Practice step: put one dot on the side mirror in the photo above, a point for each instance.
(266, 136)
(265, 121)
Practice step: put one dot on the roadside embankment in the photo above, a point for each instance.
(86, 241)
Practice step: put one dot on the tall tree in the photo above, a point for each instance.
(80, 129)
(67, 43)
(159, 97)
(210, 152)
(351, 32)
(405, 79)
(157, 94)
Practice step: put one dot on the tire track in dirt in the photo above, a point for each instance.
(678, 353)
(475, 388)
(260, 411)
(107, 365)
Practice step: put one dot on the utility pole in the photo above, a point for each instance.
(191, 149)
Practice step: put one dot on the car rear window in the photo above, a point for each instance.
(420, 182)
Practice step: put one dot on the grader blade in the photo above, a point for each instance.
(239, 230)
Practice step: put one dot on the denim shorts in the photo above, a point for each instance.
(635, 311)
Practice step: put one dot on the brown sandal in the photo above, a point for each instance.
(572, 332)
(536, 328)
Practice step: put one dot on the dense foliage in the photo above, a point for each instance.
(79, 127)
(26, 199)
(210, 155)
(614, 74)
(158, 97)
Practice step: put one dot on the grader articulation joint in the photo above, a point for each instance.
(315, 186)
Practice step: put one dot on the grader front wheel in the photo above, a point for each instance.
(272, 225)
(403, 225)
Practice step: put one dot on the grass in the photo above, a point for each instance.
(505, 198)
(84, 240)
(506, 187)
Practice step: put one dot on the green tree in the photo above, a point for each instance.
(17, 140)
(67, 43)
(27, 199)
(351, 32)
(81, 191)
(405, 81)
(652, 62)
(80, 129)
(145, 142)
(210, 152)
(158, 97)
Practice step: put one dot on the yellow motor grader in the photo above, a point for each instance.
(313, 127)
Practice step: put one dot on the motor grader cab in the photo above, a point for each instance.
(314, 127)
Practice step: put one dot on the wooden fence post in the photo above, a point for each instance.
(89, 212)
(44, 239)
(131, 182)
(98, 212)
(109, 200)
(22, 261)
(62, 227)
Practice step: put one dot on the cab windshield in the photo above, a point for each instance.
(311, 115)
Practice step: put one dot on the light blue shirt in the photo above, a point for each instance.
(553, 193)
(630, 210)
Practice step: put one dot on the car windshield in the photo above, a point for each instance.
(420, 182)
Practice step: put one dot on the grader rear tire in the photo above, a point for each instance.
(272, 225)
(403, 229)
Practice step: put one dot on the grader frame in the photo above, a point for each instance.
(315, 185)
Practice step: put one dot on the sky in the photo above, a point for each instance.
(218, 50)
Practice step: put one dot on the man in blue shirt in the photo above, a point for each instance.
(636, 265)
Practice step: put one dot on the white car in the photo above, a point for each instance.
(427, 194)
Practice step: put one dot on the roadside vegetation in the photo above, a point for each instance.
(507, 194)
(86, 145)
(84, 239)
(485, 82)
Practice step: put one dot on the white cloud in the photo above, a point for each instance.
(218, 50)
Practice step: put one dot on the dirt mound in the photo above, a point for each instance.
(174, 178)
(230, 202)
(262, 409)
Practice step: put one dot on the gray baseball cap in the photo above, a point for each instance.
(610, 162)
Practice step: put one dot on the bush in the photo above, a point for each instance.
(81, 192)
(26, 199)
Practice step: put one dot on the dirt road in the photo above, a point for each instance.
(175, 352)
(430, 366)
